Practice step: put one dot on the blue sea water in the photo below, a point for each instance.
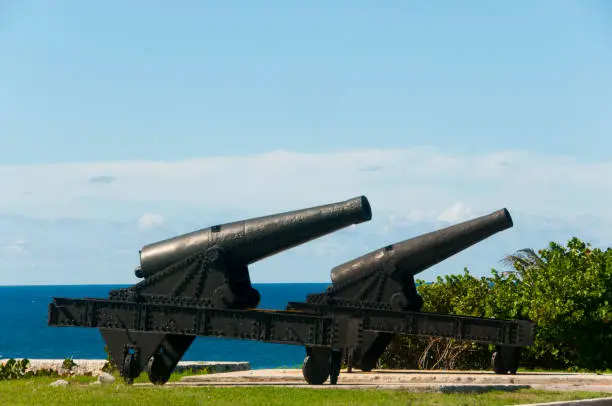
(24, 332)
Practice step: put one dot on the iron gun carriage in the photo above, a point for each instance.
(198, 284)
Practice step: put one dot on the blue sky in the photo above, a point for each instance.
(126, 122)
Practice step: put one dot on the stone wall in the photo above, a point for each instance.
(94, 366)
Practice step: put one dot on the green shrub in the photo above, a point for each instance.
(109, 366)
(68, 364)
(566, 291)
(13, 369)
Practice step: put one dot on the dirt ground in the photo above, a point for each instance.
(411, 380)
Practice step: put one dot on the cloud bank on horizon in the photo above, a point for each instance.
(79, 223)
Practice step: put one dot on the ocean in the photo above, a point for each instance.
(24, 332)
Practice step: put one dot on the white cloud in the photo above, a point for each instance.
(456, 213)
(67, 219)
(149, 221)
(414, 183)
(14, 249)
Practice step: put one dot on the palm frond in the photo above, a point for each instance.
(526, 258)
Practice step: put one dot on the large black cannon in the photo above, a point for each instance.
(210, 266)
(203, 269)
(198, 284)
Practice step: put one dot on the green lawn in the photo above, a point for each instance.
(36, 391)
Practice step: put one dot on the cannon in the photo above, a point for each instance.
(384, 280)
(203, 269)
(209, 267)
(198, 284)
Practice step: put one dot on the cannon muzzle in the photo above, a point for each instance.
(248, 241)
(413, 256)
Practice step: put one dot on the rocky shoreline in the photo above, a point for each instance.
(94, 366)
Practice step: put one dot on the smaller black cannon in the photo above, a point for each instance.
(383, 281)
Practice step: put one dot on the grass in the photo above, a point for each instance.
(36, 391)
(176, 376)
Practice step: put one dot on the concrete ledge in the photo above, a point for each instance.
(94, 366)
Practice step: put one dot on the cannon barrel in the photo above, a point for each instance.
(251, 240)
(414, 255)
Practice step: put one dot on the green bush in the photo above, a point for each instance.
(13, 369)
(68, 364)
(565, 290)
(109, 365)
